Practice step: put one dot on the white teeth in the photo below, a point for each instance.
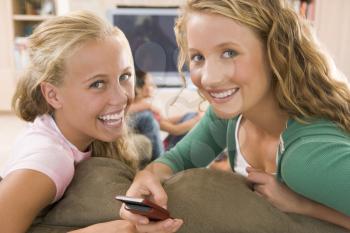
(116, 116)
(113, 122)
(224, 94)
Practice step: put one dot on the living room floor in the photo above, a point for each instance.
(10, 127)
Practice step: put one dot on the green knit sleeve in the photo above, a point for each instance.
(318, 167)
(200, 146)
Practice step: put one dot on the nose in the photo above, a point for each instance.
(118, 96)
(215, 73)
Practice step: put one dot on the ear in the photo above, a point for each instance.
(51, 94)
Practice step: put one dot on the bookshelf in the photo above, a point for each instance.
(26, 15)
(20, 17)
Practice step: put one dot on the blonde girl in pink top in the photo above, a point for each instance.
(76, 92)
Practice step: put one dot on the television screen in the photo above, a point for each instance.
(150, 32)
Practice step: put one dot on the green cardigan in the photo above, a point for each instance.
(313, 159)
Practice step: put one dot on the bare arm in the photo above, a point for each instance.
(143, 105)
(317, 210)
(175, 118)
(118, 226)
(285, 199)
(139, 106)
(23, 194)
(178, 129)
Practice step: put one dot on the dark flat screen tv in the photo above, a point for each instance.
(150, 32)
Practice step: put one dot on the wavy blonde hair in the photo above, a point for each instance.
(50, 44)
(303, 80)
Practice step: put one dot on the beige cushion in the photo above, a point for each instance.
(208, 201)
(90, 197)
(221, 202)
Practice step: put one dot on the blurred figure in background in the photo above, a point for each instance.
(147, 119)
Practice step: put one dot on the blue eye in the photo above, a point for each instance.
(125, 77)
(98, 84)
(229, 53)
(197, 58)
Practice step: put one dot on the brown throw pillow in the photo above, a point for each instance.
(221, 202)
(90, 197)
(209, 201)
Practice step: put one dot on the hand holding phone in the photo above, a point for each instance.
(144, 207)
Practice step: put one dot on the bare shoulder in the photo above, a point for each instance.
(23, 193)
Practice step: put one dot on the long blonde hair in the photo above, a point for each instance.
(50, 44)
(302, 81)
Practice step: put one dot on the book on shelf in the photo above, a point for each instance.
(38, 7)
(21, 53)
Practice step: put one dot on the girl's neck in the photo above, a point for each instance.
(267, 119)
(81, 144)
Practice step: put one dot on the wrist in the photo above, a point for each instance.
(83, 230)
(159, 171)
(308, 206)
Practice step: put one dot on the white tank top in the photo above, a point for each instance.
(240, 163)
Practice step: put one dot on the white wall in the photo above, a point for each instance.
(333, 28)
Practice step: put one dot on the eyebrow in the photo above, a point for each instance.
(221, 45)
(95, 77)
(225, 44)
(102, 75)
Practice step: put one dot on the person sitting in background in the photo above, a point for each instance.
(147, 119)
(76, 93)
(144, 123)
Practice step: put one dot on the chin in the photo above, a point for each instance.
(116, 136)
(110, 138)
(226, 115)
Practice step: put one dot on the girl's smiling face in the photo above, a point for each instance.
(97, 89)
(228, 64)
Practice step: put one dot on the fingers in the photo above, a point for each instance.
(159, 195)
(262, 182)
(265, 188)
(258, 193)
(137, 188)
(258, 177)
(134, 218)
(154, 188)
(259, 189)
(145, 184)
(251, 169)
(166, 226)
